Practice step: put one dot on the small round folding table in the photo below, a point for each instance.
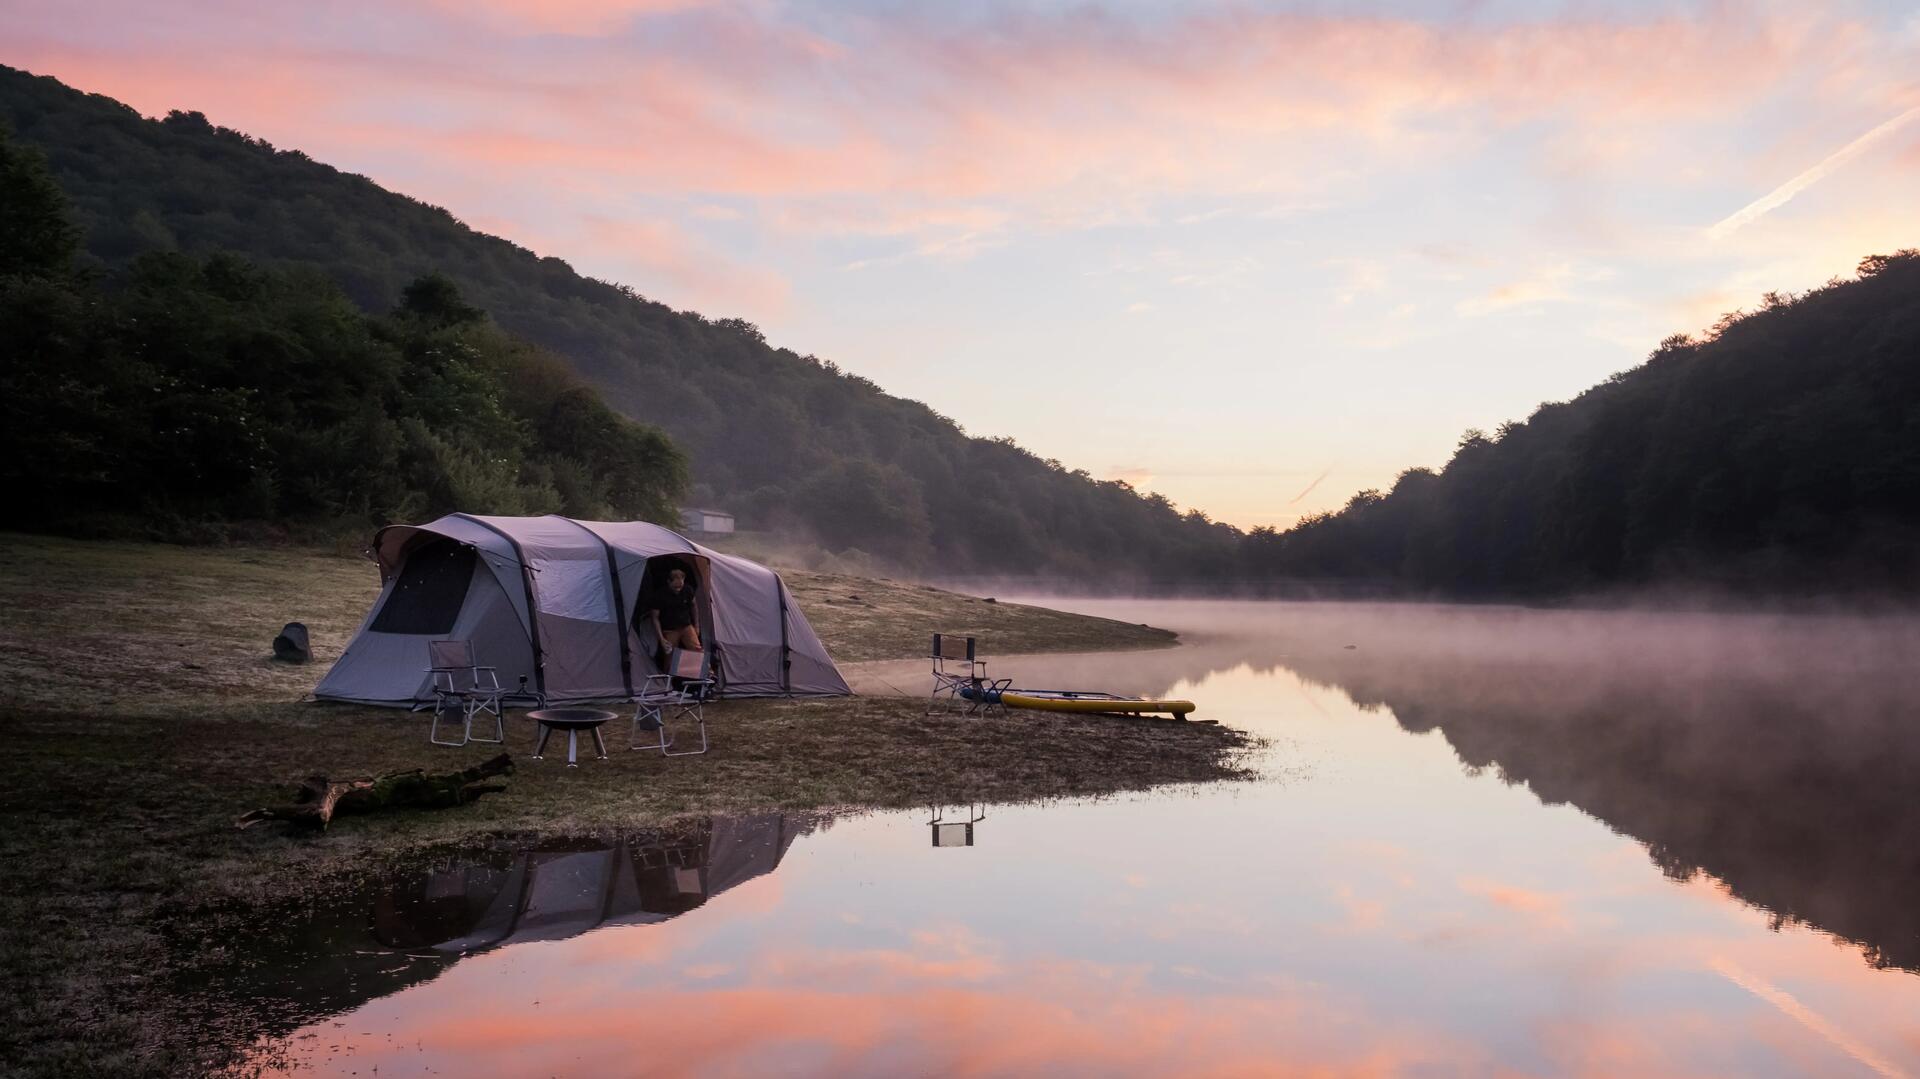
(573, 721)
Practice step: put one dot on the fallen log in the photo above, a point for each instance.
(319, 799)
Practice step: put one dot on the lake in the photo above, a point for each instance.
(1484, 840)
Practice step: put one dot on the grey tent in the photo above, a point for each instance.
(551, 602)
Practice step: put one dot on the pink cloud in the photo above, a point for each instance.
(1047, 109)
(664, 260)
(1047, 1015)
(1547, 909)
(562, 16)
(948, 133)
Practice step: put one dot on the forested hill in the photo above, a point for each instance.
(1780, 454)
(190, 397)
(786, 441)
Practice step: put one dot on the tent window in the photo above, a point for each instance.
(430, 591)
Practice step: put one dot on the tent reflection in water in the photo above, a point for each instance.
(564, 889)
(387, 935)
(557, 606)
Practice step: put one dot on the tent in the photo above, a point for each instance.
(554, 604)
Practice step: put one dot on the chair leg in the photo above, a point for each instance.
(661, 740)
(990, 699)
(699, 717)
(433, 731)
(946, 694)
(540, 747)
(499, 721)
(600, 744)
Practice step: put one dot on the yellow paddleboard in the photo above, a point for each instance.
(1093, 702)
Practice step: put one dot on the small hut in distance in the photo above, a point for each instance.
(699, 522)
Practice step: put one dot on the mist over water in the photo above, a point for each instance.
(1485, 839)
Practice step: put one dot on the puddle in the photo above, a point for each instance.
(1532, 841)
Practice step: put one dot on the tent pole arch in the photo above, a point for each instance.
(619, 604)
(786, 649)
(533, 605)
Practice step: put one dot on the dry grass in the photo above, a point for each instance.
(863, 618)
(154, 627)
(126, 874)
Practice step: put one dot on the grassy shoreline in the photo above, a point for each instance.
(143, 716)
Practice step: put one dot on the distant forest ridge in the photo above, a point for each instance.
(1781, 452)
(789, 443)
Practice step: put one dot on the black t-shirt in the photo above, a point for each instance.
(676, 608)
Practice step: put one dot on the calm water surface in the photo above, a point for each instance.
(1486, 841)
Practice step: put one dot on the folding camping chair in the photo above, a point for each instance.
(679, 691)
(462, 685)
(958, 668)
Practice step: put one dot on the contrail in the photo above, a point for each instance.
(1806, 1017)
(1310, 487)
(1778, 197)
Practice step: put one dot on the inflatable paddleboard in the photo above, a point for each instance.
(1067, 700)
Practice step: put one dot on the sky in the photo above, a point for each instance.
(1255, 257)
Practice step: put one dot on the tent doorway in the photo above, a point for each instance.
(429, 590)
(650, 651)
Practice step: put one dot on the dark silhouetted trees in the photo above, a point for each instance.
(186, 392)
(1779, 454)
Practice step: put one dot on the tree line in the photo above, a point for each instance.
(183, 393)
(1778, 453)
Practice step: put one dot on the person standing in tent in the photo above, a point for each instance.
(676, 620)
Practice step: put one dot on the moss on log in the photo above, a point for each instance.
(318, 800)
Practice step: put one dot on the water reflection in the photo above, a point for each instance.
(1778, 754)
(410, 926)
(1779, 761)
(1410, 893)
(953, 827)
(565, 888)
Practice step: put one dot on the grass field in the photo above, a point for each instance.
(142, 715)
